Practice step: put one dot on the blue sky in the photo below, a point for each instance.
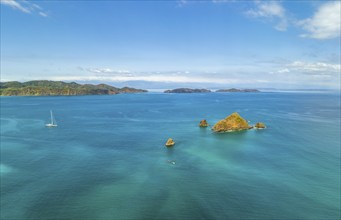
(164, 44)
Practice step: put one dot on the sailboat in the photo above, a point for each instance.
(53, 121)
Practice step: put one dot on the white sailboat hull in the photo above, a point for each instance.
(53, 121)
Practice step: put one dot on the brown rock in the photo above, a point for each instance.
(203, 123)
(170, 142)
(260, 125)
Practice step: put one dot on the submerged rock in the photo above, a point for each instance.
(233, 122)
(203, 123)
(260, 125)
(171, 162)
(169, 142)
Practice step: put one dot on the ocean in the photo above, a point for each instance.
(107, 159)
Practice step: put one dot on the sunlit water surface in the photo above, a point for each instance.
(107, 160)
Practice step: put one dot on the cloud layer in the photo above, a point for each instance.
(311, 68)
(148, 78)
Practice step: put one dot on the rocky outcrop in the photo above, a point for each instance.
(187, 90)
(260, 125)
(237, 90)
(203, 123)
(233, 122)
(170, 142)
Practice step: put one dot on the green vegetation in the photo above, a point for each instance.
(233, 122)
(54, 88)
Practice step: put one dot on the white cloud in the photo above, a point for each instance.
(285, 70)
(261, 81)
(105, 70)
(37, 6)
(25, 6)
(100, 70)
(15, 5)
(43, 14)
(267, 9)
(181, 3)
(326, 22)
(312, 68)
(223, 1)
(270, 10)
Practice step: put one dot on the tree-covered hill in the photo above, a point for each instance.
(51, 88)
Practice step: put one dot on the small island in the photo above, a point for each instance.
(237, 90)
(260, 125)
(233, 122)
(170, 142)
(187, 90)
(57, 88)
(203, 123)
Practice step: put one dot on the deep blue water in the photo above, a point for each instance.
(107, 160)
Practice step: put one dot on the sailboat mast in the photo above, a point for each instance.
(51, 117)
(53, 121)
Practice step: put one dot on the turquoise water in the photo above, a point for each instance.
(107, 160)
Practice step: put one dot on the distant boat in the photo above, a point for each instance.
(53, 121)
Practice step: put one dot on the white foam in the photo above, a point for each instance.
(4, 169)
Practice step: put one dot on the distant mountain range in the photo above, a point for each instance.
(188, 90)
(55, 88)
(237, 90)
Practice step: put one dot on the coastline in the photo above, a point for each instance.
(60, 88)
(158, 91)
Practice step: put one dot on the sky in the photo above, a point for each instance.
(169, 44)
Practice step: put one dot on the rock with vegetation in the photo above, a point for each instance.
(54, 88)
(203, 123)
(187, 90)
(170, 142)
(237, 90)
(233, 122)
(260, 125)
